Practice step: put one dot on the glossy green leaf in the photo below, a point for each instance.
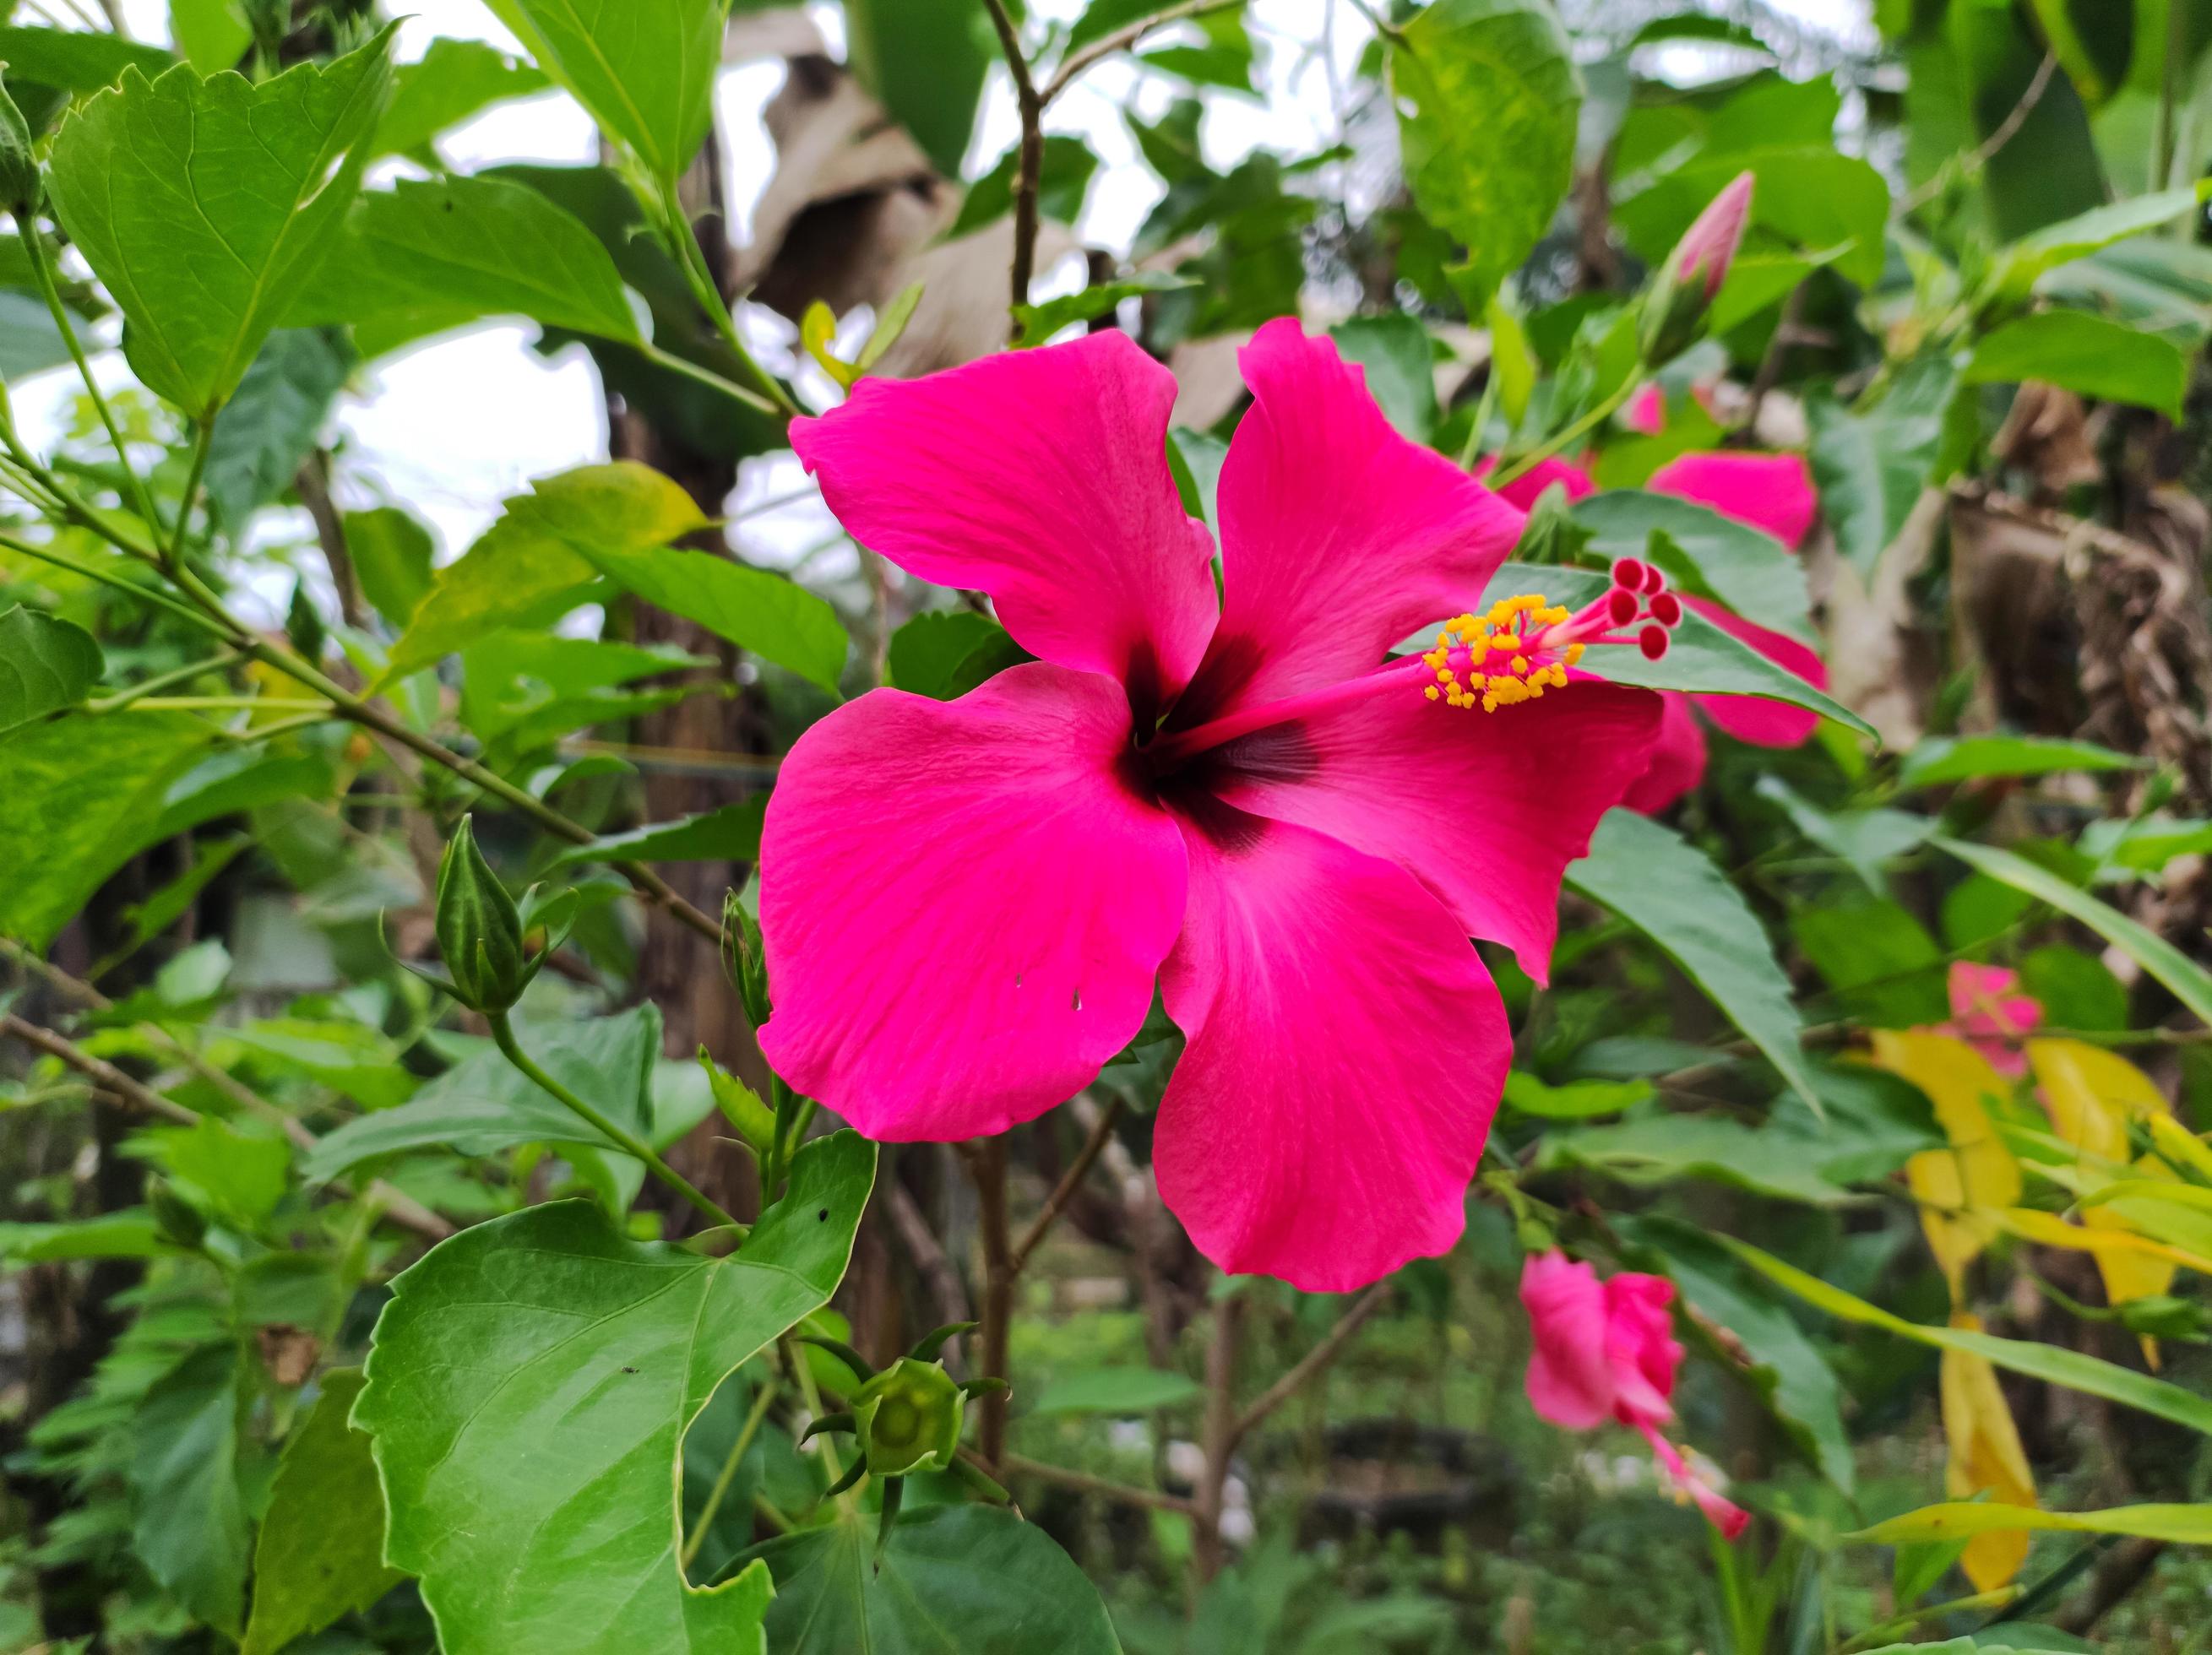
(270, 423)
(1487, 98)
(213, 34)
(430, 254)
(925, 61)
(204, 206)
(1871, 466)
(529, 1387)
(2085, 353)
(451, 80)
(1671, 891)
(1964, 758)
(644, 69)
(2053, 1364)
(945, 654)
(83, 796)
(954, 1580)
(731, 834)
(2188, 982)
(74, 60)
(532, 565)
(46, 663)
(1123, 1391)
(321, 1550)
(1701, 656)
(1750, 572)
(189, 1523)
(1398, 361)
(1039, 323)
(2019, 266)
(392, 556)
(484, 1104)
(771, 615)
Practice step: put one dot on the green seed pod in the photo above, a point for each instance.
(479, 929)
(909, 1417)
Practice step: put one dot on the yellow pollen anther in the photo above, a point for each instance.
(1575, 653)
(1520, 663)
(1432, 691)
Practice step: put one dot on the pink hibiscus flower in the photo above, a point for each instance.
(965, 904)
(1607, 1350)
(1770, 492)
(1989, 1014)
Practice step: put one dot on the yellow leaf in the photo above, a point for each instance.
(1980, 1170)
(1985, 1458)
(816, 330)
(2182, 1149)
(2108, 1240)
(2091, 1095)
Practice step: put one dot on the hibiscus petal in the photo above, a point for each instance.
(1338, 536)
(1773, 492)
(1570, 1377)
(963, 906)
(1751, 717)
(1346, 1051)
(1486, 808)
(1678, 758)
(1040, 477)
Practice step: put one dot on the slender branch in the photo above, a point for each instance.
(928, 1253)
(1070, 1181)
(752, 1425)
(202, 441)
(101, 1073)
(1084, 1482)
(1219, 1432)
(1315, 1361)
(158, 599)
(1512, 470)
(1076, 62)
(691, 370)
(155, 685)
(1031, 170)
(502, 1032)
(1986, 151)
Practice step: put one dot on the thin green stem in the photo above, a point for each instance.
(708, 377)
(1892, 1631)
(161, 682)
(162, 600)
(502, 1032)
(201, 443)
(43, 274)
(691, 259)
(1470, 449)
(761, 1398)
(281, 727)
(794, 1362)
(1510, 470)
(229, 704)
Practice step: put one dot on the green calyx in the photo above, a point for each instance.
(493, 950)
(910, 1417)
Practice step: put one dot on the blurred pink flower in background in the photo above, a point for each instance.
(1990, 1015)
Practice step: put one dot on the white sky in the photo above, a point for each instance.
(452, 426)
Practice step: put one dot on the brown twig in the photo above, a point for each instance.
(1220, 1434)
(1016, 1465)
(1313, 1362)
(1070, 1182)
(1986, 151)
(1076, 62)
(1030, 170)
(927, 1251)
(101, 1073)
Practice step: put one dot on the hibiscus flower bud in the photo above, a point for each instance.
(1683, 294)
(910, 1417)
(479, 929)
(19, 169)
(742, 961)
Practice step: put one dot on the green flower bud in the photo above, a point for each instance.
(20, 187)
(742, 959)
(910, 1417)
(479, 929)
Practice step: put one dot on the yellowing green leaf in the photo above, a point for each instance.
(1986, 1459)
(2183, 1525)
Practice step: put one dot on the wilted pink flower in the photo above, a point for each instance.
(1607, 1350)
(966, 904)
(1988, 1014)
(1770, 492)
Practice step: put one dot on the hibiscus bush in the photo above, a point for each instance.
(1324, 826)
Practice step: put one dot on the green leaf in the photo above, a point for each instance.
(1575, 1100)
(2053, 1364)
(321, 1550)
(213, 34)
(954, 1580)
(1487, 101)
(529, 1387)
(392, 554)
(1867, 840)
(771, 615)
(1789, 1373)
(1400, 362)
(204, 206)
(532, 566)
(1124, 1390)
(75, 60)
(1700, 657)
(1670, 891)
(2019, 265)
(189, 1524)
(1963, 758)
(46, 663)
(924, 61)
(1063, 177)
(239, 1170)
(1871, 467)
(1882, 964)
(130, 1232)
(1039, 322)
(452, 81)
(1750, 572)
(269, 425)
(83, 796)
(2188, 982)
(646, 71)
(2084, 353)
(484, 1104)
(430, 254)
(731, 834)
(1831, 206)
(945, 654)
(2181, 1525)
(517, 688)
